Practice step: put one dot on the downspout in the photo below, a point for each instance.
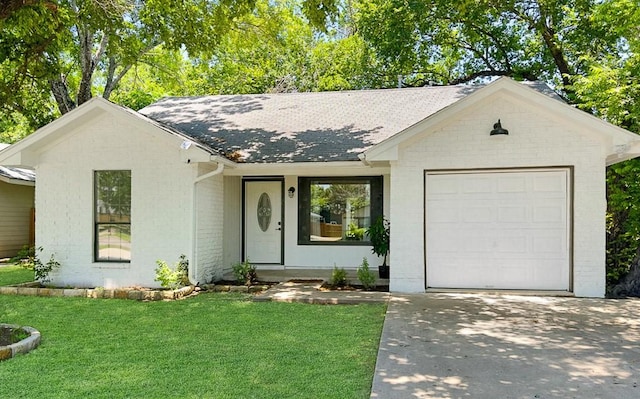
(192, 270)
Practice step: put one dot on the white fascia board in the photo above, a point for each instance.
(342, 168)
(25, 152)
(622, 153)
(387, 150)
(222, 160)
(17, 182)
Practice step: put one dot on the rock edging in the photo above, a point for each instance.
(119, 293)
(23, 346)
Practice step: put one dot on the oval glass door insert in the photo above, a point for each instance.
(264, 211)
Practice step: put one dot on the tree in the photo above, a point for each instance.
(441, 42)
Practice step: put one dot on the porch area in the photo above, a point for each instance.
(289, 274)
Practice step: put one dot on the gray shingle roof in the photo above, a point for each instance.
(302, 127)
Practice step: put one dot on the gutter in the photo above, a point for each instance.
(193, 270)
(363, 158)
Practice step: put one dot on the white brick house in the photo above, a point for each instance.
(292, 180)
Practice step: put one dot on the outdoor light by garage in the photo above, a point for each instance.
(498, 130)
(291, 191)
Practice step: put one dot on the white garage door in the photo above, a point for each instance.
(499, 229)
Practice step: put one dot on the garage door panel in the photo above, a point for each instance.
(550, 183)
(513, 214)
(512, 184)
(503, 230)
(552, 214)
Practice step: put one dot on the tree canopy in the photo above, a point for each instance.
(57, 54)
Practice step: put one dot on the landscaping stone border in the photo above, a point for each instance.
(22, 346)
(31, 289)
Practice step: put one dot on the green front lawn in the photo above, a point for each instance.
(14, 275)
(208, 346)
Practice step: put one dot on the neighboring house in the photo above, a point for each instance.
(274, 178)
(16, 209)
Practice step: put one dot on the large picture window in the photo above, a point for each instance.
(337, 210)
(112, 215)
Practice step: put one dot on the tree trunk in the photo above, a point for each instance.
(60, 92)
(86, 66)
(630, 284)
(555, 49)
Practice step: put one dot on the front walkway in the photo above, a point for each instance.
(303, 285)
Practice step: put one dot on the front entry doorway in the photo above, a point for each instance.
(263, 222)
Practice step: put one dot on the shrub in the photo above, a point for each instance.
(365, 275)
(173, 278)
(245, 272)
(25, 257)
(338, 277)
(29, 259)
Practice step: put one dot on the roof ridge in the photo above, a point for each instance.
(305, 93)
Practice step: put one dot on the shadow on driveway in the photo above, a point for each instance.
(491, 346)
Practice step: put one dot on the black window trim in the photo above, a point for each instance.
(304, 205)
(96, 224)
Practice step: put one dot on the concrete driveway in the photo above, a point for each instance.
(501, 346)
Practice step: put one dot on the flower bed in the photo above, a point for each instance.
(9, 348)
(35, 289)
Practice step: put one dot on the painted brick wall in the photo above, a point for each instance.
(232, 222)
(209, 227)
(536, 140)
(161, 192)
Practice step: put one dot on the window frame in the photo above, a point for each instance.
(97, 223)
(376, 184)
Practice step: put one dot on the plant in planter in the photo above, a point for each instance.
(379, 234)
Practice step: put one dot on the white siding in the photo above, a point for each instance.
(535, 140)
(161, 190)
(16, 202)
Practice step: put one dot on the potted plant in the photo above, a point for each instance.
(379, 235)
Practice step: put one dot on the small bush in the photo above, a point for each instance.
(29, 259)
(365, 275)
(338, 277)
(173, 278)
(25, 257)
(245, 273)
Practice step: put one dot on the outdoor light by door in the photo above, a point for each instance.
(498, 130)
(291, 191)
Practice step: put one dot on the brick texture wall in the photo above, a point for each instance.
(535, 140)
(162, 201)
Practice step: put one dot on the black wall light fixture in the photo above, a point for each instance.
(291, 191)
(498, 130)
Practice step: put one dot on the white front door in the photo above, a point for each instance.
(504, 229)
(263, 227)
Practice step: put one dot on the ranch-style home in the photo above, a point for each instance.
(16, 209)
(500, 186)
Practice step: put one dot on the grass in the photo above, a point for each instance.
(14, 275)
(208, 346)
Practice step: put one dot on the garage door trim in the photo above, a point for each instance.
(569, 206)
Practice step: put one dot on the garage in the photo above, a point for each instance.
(498, 229)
